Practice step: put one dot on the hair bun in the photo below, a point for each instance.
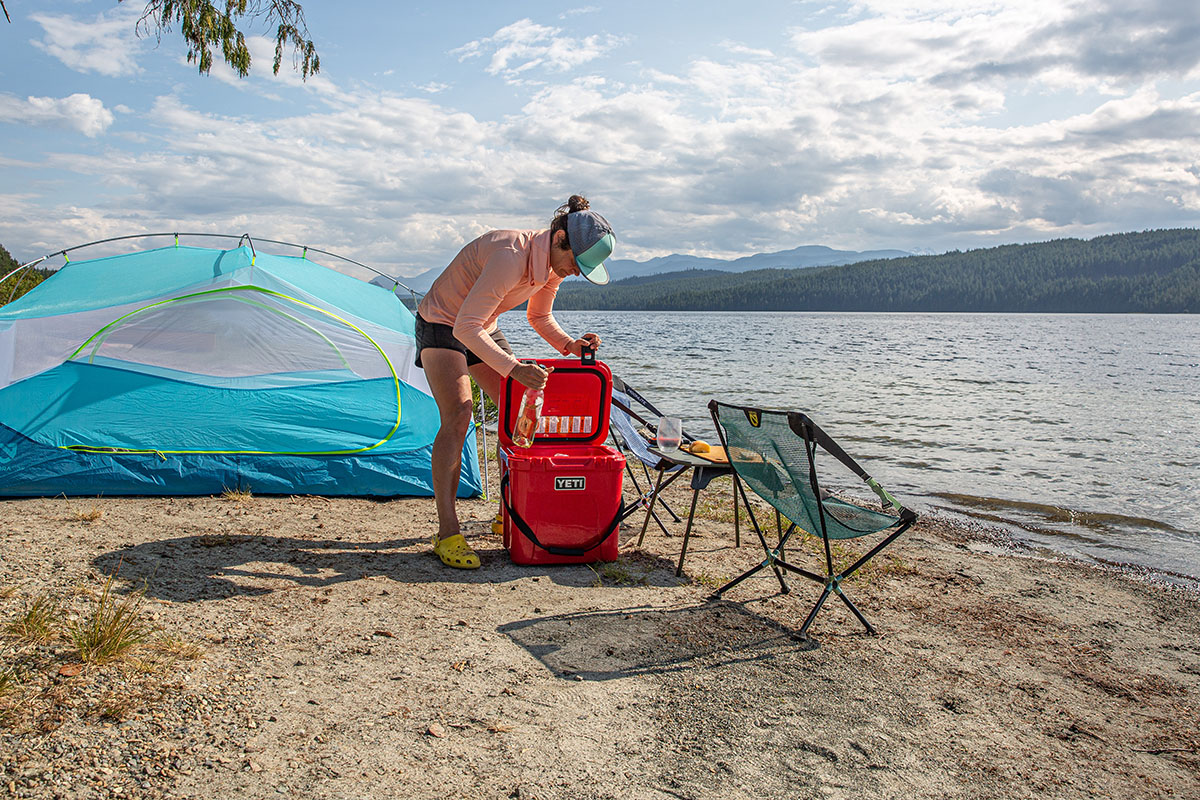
(577, 202)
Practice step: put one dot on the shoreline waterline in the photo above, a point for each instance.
(1078, 429)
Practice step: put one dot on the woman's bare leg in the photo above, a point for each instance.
(446, 371)
(488, 379)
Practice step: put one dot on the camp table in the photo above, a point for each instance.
(703, 470)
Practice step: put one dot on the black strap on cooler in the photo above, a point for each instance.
(527, 531)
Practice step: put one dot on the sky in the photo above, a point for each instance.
(709, 128)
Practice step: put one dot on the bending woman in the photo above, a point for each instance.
(457, 336)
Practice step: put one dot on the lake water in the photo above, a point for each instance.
(1081, 433)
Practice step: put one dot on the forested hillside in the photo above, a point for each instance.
(18, 285)
(1152, 271)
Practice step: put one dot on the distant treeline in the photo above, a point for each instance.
(18, 285)
(1152, 272)
(1147, 272)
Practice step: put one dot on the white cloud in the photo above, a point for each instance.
(107, 44)
(882, 130)
(739, 49)
(1068, 43)
(78, 112)
(525, 45)
(262, 78)
(575, 12)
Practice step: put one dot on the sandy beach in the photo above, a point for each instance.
(314, 648)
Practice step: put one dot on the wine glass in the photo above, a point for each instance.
(669, 433)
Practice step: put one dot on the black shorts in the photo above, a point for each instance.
(433, 334)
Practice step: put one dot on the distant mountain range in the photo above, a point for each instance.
(1148, 272)
(796, 258)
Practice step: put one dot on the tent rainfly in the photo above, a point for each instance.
(186, 370)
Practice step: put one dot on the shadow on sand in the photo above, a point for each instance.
(193, 568)
(602, 645)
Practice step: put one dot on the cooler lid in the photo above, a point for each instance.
(578, 398)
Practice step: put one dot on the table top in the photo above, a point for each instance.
(677, 456)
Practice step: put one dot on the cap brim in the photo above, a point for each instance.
(591, 261)
(597, 274)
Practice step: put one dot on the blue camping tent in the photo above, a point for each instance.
(188, 370)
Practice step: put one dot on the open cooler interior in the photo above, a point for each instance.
(565, 489)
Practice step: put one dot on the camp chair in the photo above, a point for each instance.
(774, 453)
(629, 412)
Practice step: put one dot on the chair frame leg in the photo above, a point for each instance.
(642, 502)
(853, 608)
(687, 533)
(659, 486)
(643, 495)
(737, 530)
(812, 615)
(650, 509)
(771, 560)
(832, 582)
(662, 502)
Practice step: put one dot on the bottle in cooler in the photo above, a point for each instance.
(528, 414)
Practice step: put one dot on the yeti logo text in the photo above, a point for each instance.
(570, 484)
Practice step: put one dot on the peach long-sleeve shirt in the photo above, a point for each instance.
(493, 274)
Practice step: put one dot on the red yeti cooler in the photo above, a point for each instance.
(562, 496)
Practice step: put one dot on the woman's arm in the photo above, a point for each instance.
(502, 272)
(540, 314)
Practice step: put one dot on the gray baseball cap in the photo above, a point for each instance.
(592, 241)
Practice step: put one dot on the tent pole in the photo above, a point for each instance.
(16, 283)
(483, 429)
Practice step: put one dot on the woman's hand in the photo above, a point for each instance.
(530, 375)
(590, 341)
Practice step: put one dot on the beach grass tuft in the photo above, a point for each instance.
(40, 621)
(617, 573)
(115, 707)
(237, 495)
(177, 647)
(711, 581)
(113, 627)
(10, 696)
(73, 635)
(90, 515)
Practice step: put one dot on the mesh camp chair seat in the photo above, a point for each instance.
(775, 454)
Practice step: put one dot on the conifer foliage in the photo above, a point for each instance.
(1147, 272)
(18, 284)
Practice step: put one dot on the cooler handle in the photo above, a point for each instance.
(587, 356)
(560, 460)
(524, 528)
